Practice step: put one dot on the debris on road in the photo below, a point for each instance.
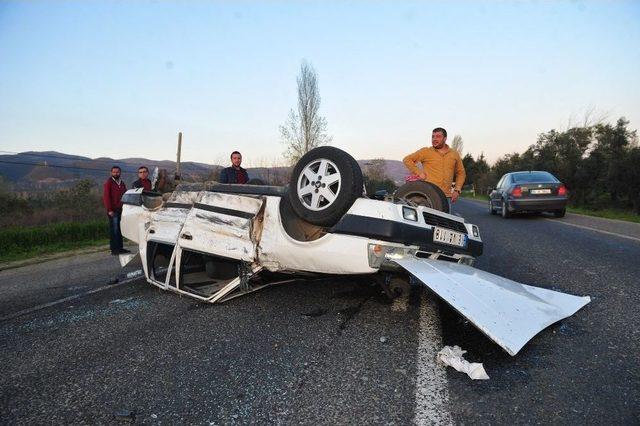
(452, 356)
(315, 313)
(125, 415)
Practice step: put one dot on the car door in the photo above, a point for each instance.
(220, 224)
(504, 188)
(496, 195)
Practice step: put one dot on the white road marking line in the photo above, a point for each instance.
(595, 230)
(432, 392)
(400, 304)
(66, 299)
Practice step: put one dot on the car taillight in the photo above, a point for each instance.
(516, 192)
(562, 190)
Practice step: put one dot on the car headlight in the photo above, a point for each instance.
(476, 231)
(410, 213)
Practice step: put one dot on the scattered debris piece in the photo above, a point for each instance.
(452, 356)
(315, 313)
(383, 339)
(133, 274)
(125, 415)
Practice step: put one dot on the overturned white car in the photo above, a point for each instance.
(216, 241)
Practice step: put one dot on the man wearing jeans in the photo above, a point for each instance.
(113, 189)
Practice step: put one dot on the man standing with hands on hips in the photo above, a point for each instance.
(441, 165)
(113, 189)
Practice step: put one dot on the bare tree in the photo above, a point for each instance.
(305, 129)
(457, 144)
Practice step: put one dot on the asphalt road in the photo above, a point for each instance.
(329, 351)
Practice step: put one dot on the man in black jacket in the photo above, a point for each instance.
(143, 179)
(235, 173)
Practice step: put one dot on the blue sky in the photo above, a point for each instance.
(120, 79)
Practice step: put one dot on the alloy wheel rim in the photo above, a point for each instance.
(319, 184)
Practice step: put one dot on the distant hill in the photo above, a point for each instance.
(50, 170)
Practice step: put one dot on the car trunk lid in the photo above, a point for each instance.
(508, 312)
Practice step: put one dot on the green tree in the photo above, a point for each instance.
(631, 175)
(611, 145)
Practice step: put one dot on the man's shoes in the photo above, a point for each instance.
(124, 251)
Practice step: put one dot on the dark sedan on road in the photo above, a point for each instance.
(531, 191)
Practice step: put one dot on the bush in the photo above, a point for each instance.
(22, 240)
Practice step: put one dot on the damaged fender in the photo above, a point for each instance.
(508, 312)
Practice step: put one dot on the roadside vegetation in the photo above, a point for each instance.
(619, 214)
(37, 223)
(597, 162)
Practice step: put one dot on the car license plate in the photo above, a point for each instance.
(541, 191)
(447, 236)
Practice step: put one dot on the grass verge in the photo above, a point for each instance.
(618, 214)
(474, 197)
(18, 243)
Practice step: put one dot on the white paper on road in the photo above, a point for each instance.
(452, 356)
(508, 312)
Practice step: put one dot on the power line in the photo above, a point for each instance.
(64, 157)
(57, 166)
(60, 156)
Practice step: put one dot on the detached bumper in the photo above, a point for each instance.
(537, 204)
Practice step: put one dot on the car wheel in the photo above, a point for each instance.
(505, 211)
(491, 209)
(559, 212)
(324, 184)
(424, 194)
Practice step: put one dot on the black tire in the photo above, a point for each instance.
(320, 210)
(491, 209)
(559, 213)
(506, 214)
(424, 194)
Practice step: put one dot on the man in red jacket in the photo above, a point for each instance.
(113, 190)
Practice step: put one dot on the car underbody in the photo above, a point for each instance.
(215, 242)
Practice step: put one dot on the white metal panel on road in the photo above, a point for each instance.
(508, 312)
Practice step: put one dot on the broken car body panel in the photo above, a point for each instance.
(508, 312)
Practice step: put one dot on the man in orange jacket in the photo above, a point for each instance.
(441, 165)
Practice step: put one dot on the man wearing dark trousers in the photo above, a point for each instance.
(113, 189)
(143, 179)
(235, 173)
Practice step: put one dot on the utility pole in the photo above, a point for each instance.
(177, 177)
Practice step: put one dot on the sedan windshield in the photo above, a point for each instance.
(534, 177)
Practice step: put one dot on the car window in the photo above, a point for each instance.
(500, 182)
(534, 177)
